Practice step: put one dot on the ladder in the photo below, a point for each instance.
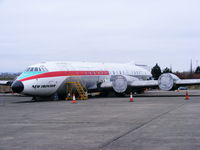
(75, 86)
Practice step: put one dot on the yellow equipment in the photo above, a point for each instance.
(75, 86)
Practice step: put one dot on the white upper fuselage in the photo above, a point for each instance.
(45, 78)
(113, 68)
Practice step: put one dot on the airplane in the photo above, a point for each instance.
(48, 79)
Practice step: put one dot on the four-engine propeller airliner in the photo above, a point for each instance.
(49, 78)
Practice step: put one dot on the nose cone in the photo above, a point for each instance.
(17, 87)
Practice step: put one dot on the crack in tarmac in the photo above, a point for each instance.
(138, 127)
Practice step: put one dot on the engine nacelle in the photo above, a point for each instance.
(167, 81)
(120, 83)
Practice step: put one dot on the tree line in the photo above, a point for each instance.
(156, 72)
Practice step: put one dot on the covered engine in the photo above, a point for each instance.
(167, 81)
(120, 82)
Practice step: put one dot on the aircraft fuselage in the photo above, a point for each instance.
(46, 79)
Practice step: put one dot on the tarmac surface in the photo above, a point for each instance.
(148, 123)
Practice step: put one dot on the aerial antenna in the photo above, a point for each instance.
(170, 67)
(191, 66)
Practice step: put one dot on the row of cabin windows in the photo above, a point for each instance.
(92, 73)
(126, 72)
(31, 69)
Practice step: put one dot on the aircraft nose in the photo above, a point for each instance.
(17, 87)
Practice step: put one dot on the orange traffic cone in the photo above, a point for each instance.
(186, 96)
(74, 99)
(131, 97)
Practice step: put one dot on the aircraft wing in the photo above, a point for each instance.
(145, 84)
(165, 85)
(139, 83)
(169, 81)
(188, 82)
(155, 83)
(4, 82)
(121, 83)
(165, 82)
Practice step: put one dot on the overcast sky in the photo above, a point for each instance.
(166, 32)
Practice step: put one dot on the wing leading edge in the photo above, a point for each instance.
(166, 82)
(3, 82)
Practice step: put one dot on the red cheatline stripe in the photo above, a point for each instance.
(66, 73)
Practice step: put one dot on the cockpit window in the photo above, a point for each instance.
(43, 68)
(36, 69)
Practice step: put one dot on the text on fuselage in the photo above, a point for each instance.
(43, 86)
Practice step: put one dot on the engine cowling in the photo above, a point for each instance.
(167, 81)
(120, 83)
